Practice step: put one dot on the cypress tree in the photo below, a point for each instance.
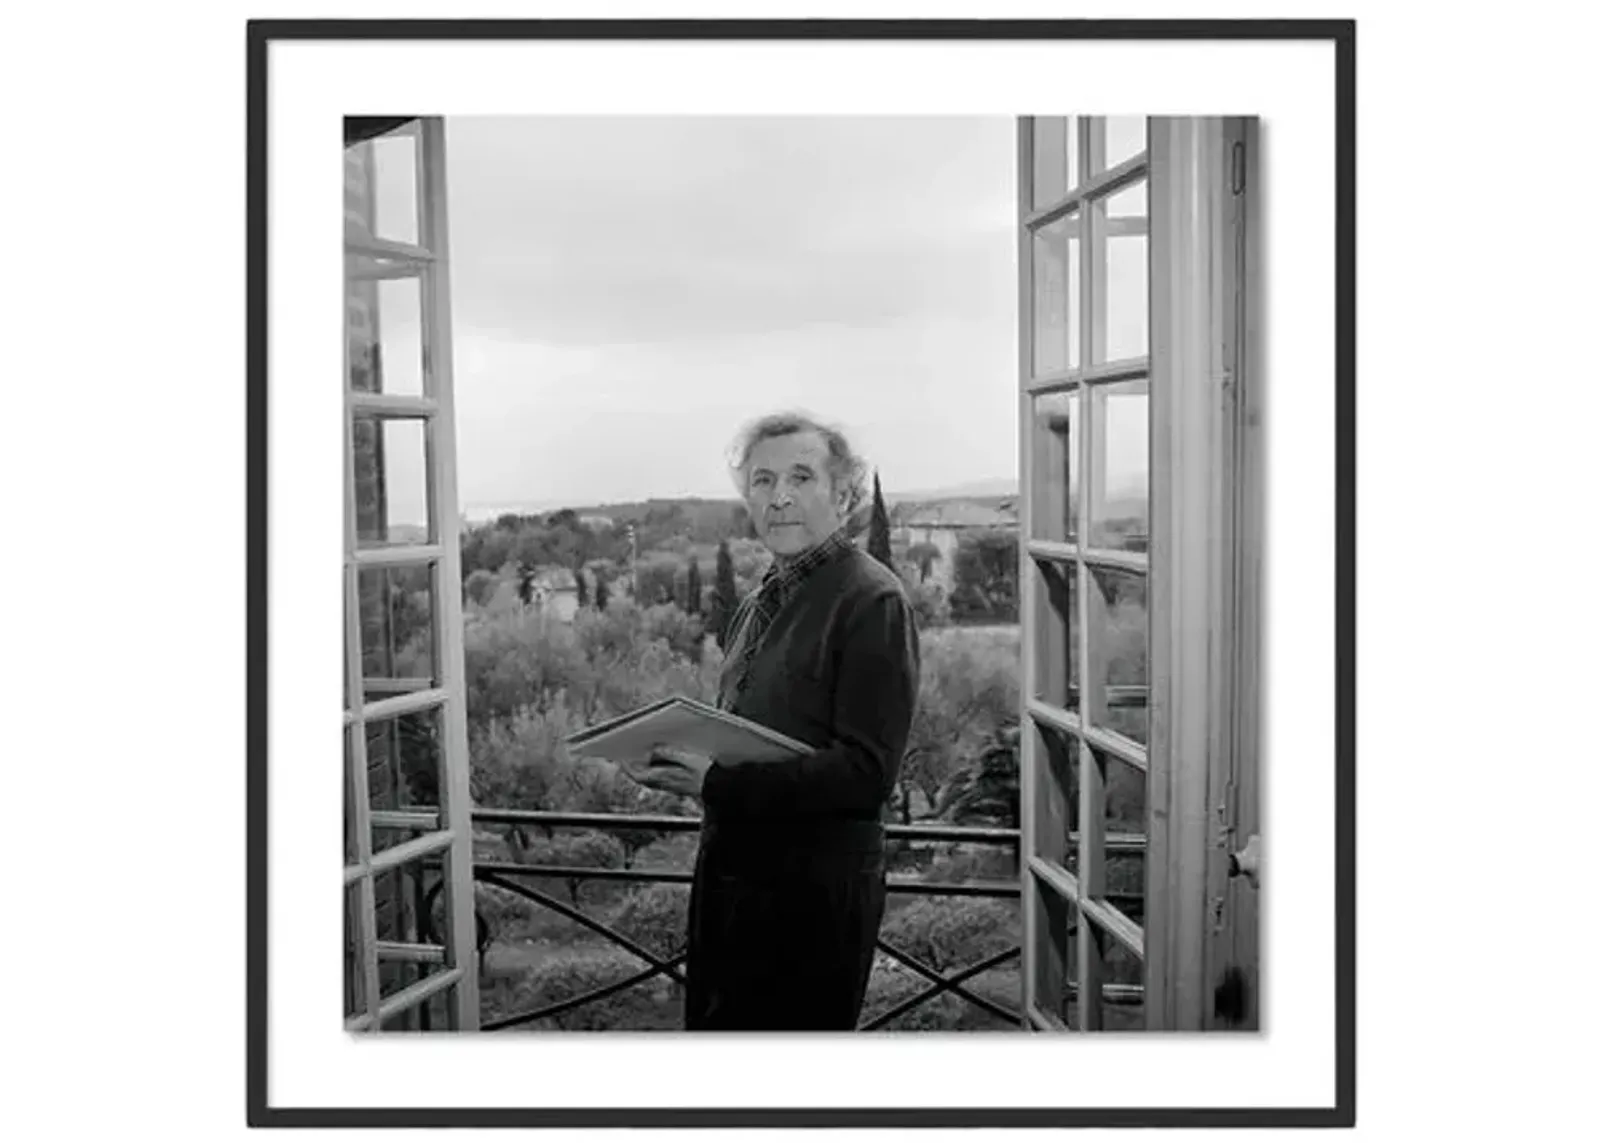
(693, 590)
(878, 531)
(724, 596)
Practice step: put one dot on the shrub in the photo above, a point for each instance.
(657, 916)
(586, 850)
(951, 933)
(972, 863)
(892, 984)
(567, 973)
(507, 915)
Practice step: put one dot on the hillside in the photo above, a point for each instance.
(990, 492)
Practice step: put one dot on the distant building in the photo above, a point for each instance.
(597, 523)
(942, 525)
(555, 593)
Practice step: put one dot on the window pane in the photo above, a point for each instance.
(397, 652)
(383, 327)
(354, 983)
(1055, 960)
(1055, 467)
(412, 904)
(1119, 649)
(1056, 645)
(1055, 158)
(1126, 829)
(1121, 985)
(1056, 801)
(350, 833)
(391, 467)
(1122, 240)
(1119, 518)
(432, 1015)
(380, 187)
(404, 770)
(1125, 138)
(1055, 296)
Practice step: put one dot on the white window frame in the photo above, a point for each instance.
(448, 831)
(1200, 764)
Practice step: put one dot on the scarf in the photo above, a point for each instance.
(757, 610)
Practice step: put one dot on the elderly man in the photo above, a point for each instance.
(789, 880)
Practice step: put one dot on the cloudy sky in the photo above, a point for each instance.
(628, 292)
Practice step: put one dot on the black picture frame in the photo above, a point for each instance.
(261, 34)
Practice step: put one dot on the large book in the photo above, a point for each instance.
(685, 722)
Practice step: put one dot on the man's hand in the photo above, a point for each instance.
(672, 769)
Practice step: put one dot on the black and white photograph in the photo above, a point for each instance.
(755, 447)
(803, 575)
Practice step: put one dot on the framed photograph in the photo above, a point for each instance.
(960, 411)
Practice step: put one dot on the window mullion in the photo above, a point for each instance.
(366, 919)
(1090, 793)
(455, 800)
(1030, 582)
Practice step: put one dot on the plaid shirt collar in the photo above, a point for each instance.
(784, 577)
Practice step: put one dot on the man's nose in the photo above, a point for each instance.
(783, 495)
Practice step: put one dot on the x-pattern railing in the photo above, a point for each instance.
(510, 877)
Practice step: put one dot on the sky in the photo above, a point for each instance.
(626, 293)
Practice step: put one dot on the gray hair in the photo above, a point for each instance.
(846, 469)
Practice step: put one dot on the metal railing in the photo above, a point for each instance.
(512, 877)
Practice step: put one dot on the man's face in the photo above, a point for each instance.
(792, 499)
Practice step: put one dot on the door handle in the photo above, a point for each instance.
(1246, 862)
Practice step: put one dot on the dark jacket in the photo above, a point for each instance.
(838, 669)
(789, 880)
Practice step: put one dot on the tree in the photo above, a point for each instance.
(479, 586)
(724, 596)
(657, 573)
(988, 791)
(583, 586)
(924, 555)
(986, 577)
(595, 787)
(486, 548)
(929, 604)
(692, 602)
(602, 593)
(751, 559)
(967, 690)
(878, 531)
(579, 851)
